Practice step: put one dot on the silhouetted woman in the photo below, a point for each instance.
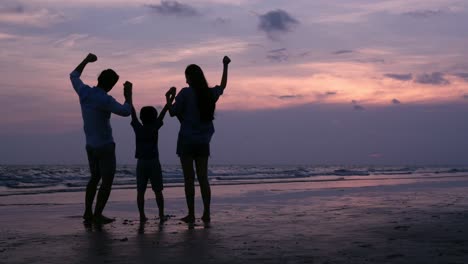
(194, 107)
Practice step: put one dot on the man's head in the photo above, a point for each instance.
(107, 79)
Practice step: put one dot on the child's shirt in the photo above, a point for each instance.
(146, 139)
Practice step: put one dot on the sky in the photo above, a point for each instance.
(326, 82)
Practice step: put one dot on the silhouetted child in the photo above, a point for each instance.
(148, 165)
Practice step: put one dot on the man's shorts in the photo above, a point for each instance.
(101, 161)
(149, 169)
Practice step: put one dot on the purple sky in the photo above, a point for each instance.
(313, 82)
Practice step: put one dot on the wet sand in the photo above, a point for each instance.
(404, 221)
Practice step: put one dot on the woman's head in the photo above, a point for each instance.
(206, 103)
(195, 77)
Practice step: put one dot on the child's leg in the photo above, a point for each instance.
(157, 185)
(142, 182)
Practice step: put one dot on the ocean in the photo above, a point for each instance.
(21, 179)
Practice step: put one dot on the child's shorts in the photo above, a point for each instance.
(149, 170)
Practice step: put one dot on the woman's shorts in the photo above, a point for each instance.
(193, 149)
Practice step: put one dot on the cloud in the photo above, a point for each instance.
(221, 21)
(16, 14)
(465, 96)
(339, 52)
(357, 106)
(376, 155)
(288, 97)
(371, 60)
(276, 22)
(278, 55)
(173, 8)
(327, 94)
(423, 13)
(395, 101)
(6, 36)
(70, 40)
(11, 8)
(304, 54)
(400, 77)
(462, 75)
(435, 78)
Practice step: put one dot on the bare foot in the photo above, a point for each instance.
(206, 218)
(163, 219)
(102, 220)
(87, 217)
(189, 219)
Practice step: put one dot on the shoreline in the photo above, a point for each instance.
(214, 182)
(404, 222)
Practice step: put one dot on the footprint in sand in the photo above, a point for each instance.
(402, 227)
(394, 256)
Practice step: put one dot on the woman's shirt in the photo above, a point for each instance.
(192, 129)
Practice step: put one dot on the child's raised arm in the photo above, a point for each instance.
(170, 96)
(134, 115)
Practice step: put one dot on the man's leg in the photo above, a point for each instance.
(189, 178)
(201, 164)
(160, 203)
(141, 205)
(107, 164)
(92, 184)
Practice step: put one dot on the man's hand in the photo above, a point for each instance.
(128, 87)
(91, 58)
(226, 60)
(170, 95)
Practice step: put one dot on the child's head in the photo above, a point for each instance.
(148, 115)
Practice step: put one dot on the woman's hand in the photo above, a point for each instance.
(170, 95)
(226, 60)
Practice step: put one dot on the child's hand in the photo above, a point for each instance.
(128, 86)
(226, 60)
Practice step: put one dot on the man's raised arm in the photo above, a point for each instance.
(76, 73)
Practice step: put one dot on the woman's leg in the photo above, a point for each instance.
(201, 164)
(189, 178)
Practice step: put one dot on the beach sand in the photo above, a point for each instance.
(363, 221)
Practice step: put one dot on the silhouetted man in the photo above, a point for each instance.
(96, 109)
